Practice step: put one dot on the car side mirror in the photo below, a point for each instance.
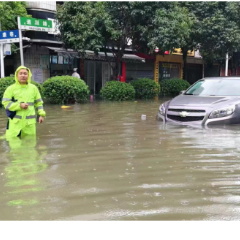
(182, 92)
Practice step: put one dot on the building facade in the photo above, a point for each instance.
(168, 66)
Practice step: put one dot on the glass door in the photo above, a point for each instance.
(90, 73)
(105, 73)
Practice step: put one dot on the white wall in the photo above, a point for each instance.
(48, 5)
(35, 58)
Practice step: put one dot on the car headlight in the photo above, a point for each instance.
(162, 109)
(223, 112)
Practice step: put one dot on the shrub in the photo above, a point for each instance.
(65, 89)
(172, 87)
(7, 81)
(118, 91)
(145, 88)
(40, 87)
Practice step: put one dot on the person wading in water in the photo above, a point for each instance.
(20, 100)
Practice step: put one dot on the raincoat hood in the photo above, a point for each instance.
(29, 74)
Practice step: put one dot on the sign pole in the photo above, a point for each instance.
(2, 59)
(2, 62)
(20, 42)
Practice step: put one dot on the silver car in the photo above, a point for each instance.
(209, 101)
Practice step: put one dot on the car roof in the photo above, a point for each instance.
(222, 78)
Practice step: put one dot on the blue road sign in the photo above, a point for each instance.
(9, 36)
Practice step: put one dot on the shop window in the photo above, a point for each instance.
(60, 59)
(54, 59)
(66, 60)
(169, 70)
(62, 65)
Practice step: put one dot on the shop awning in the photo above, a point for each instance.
(91, 55)
(125, 56)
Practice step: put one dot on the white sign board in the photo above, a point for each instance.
(37, 75)
(7, 49)
(12, 40)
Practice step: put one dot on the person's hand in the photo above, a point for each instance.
(41, 119)
(24, 105)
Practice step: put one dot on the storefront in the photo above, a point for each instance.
(167, 67)
(195, 68)
(61, 62)
(60, 65)
(95, 70)
(96, 74)
(169, 70)
(194, 72)
(135, 70)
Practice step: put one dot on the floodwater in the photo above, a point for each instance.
(100, 161)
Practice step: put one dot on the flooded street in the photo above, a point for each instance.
(100, 161)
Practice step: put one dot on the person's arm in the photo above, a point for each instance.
(8, 103)
(38, 103)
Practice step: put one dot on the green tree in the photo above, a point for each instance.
(218, 28)
(174, 28)
(212, 27)
(9, 11)
(107, 26)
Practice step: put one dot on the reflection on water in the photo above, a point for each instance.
(24, 163)
(100, 161)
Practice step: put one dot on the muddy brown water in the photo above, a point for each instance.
(100, 161)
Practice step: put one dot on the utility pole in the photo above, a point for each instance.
(226, 65)
(203, 69)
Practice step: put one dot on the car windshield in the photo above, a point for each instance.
(221, 87)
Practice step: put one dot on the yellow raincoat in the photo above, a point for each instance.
(24, 121)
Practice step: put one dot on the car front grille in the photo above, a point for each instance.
(185, 119)
(186, 110)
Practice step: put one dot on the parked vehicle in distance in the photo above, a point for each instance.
(209, 101)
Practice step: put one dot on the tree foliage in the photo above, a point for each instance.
(107, 26)
(217, 27)
(9, 11)
(212, 27)
(172, 28)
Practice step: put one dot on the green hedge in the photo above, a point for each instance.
(65, 89)
(7, 81)
(117, 91)
(40, 88)
(145, 88)
(172, 87)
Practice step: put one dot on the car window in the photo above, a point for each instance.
(228, 87)
(195, 87)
